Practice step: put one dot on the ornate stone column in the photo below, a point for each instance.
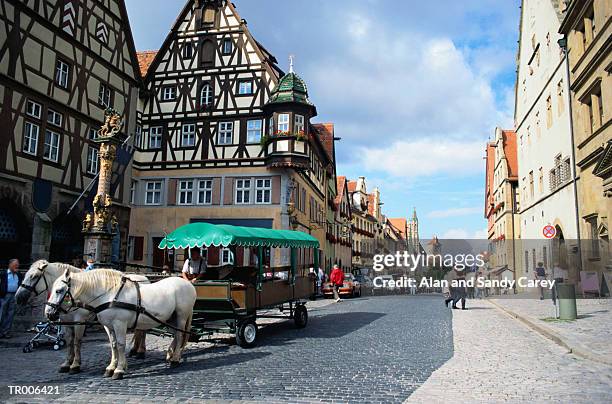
(98, 229)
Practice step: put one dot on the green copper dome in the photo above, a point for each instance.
(290, 88)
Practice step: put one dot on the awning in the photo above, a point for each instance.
(205, 235)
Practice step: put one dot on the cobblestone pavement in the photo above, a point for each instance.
(592, 329)
(363, 350)
(498, 359)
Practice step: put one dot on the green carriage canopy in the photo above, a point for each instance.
(203, 234)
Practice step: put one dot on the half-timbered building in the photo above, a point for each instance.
(225, 137)
(62, 63)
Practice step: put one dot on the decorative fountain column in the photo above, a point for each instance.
(98, 230)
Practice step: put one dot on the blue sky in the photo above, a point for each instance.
(415, 90)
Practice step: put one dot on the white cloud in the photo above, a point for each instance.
(454, 212)
(426, 157)
(459, 233)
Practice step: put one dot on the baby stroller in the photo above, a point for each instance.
(46, 333)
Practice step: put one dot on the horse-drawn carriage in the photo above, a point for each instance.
(231, 299)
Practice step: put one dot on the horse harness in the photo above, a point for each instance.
(115, 303)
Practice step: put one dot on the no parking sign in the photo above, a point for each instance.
(549, 231)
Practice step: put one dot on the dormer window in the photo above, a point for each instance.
(283, 122)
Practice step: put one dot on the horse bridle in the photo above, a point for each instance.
(32, 288)
(67, 293)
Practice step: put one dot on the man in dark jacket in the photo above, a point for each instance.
(10, 280)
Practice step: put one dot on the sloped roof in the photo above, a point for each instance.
(326, 134)
(352, 186)
(290, 88)
(145, 58)
(399, 224)
(340, 185)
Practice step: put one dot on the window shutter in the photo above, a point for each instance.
(276, 189)
(172, 191)
(207, 57)
(228, 192)
(138, 248)
(216, 191)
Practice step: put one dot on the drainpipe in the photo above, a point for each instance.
(563, 44)
(513, 196)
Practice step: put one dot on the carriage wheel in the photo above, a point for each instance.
(62, 342)
(27, 348)
(300, 316)
(56, 347)
(246, 334)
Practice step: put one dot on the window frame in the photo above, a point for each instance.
(36, 105)
(51, 147)
(245, 187)
(265, 190)
(27, 137)
(301, 124)
(251, 88)
(55, 122)
(224, 44)
(211, 94)
(187, 55)
(206, 191)
(251, 130)
(105, 91)
(173, 93)
(281, 122)
(222, 133)
(153, 192)
(62, 77)
(92, 165)
(192, 135)
(159, 135)
(187, 192)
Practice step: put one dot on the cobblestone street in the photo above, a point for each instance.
(368, 349)
(380, 349)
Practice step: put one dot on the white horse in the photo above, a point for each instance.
(38, 280)
(169, 300)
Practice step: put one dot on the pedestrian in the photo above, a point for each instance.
(460, 290)
(321, 279)
(90, 265)
(540, 273)
(10, 280)
(194, 268)
(337, 279)
(448, 289)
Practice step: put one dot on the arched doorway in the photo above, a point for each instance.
(66, 239)
(559, 249)
(15, 234)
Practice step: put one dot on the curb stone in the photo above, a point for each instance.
(571, 345)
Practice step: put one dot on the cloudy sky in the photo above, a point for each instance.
(415, 90)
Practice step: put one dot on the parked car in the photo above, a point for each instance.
(367, 286)
(350, 288)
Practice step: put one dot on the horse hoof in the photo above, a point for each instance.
(64, 369)
(140, 355)
(132, 353)
(108, 373)
(117, 375)
(75, 370)
(174, 364)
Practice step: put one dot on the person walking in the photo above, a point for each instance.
(10, 280)
(460, 289)
(449, 290)
(321, 275)
(337, 279)
(540, 273)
